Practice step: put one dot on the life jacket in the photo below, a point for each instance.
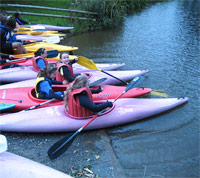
(37, 87)
(34, 60)
(74, 107)
(60, 76)
(7, 35)
(12, 37)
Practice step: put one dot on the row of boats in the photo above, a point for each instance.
(18, 91)
(17, 94)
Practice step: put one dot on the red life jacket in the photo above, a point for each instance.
(34, 60)
(59, 76)
(74, 107)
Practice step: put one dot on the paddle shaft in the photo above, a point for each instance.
(33, 107)
(113, 76)
(21, 59)
(76, 133)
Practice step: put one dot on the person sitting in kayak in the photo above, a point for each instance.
(19, 20)
(78, 98)
(65, 70)
(8, 41)
(44, 81)
(39, 60)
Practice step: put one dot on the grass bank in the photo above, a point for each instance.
(110, 12)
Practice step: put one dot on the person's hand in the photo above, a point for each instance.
(65, 82)
(76, 59)
(109, 104)
(11, 57)
(7, 61)
(99, 89)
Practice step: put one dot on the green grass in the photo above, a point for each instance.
(39, 19)
(110, 12)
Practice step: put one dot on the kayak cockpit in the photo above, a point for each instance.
(32, 94)
(104, 112)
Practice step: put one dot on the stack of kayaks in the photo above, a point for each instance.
(48, 27)
(38, 33)
(51, 117)
(48, 46)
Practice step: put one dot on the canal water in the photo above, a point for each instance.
(163, 38)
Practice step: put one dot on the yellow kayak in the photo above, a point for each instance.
(71, 57)
(31, 48)
(40, 33)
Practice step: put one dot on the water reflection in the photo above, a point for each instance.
(163, 38)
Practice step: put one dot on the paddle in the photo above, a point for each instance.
(62, 145)
(33, 107)
(159, 93)
(91, 65)
(97, 82)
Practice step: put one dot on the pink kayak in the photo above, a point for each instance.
(49, 27)
(14, 166)
(55, 119)
(93, 76)
(26, 72)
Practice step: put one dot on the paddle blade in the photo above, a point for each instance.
(52, 53)
(135, 82)
(87, 63)
(97, 82)
(159, 93)
(61, 146)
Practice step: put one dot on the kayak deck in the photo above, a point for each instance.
(54, 118)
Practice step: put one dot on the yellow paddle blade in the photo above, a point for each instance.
(159, 93)
(87, 63)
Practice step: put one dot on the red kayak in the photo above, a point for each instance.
(24, 97)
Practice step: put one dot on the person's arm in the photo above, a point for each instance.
(41, 64)
(55, 82)
(87, 103)
(72, 62)
(66, 73)
(46, 88)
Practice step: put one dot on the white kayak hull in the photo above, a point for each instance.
(14, 166)
(94, 76)
(27, 72)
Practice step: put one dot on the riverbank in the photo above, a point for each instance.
(110, 13)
